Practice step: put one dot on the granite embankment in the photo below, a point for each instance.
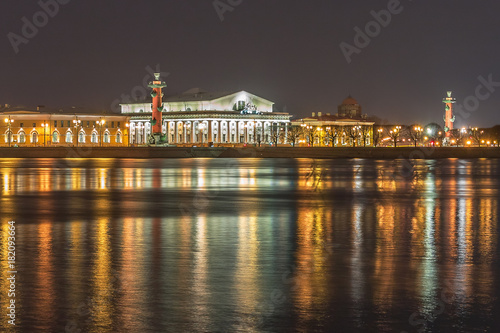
(248, 152)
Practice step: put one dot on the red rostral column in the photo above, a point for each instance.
(448, 118)
(157, 108)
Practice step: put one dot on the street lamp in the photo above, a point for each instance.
(44, 125)
(9, 122)
(76, 123)
(100, 123)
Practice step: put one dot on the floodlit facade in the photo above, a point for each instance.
(28, 128)
(347, 128)
(198, 117)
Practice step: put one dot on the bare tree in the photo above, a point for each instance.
(415, 132)
(353, 132)
(394, 134)
(310, 132)
(293, 134)
(365, 132)
(377, 136)
(333, 133)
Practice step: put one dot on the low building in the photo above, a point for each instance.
(197, 117)
(24, 127)
(347, 128)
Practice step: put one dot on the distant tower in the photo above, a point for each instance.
(157, 107)
(448, 118)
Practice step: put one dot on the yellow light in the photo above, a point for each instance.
(468, 142)
(6, 120)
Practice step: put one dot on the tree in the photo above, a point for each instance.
(353, 132)
(333, 133)
(365, 132)
(415, 132)
(377, 136)
(394, 134)
(310, 132)
(477, 135)
(293, 134)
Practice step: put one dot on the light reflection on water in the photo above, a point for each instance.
(205, 245)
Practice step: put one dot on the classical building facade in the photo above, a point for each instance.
(21, 127)
(198, 117)
(347, 128)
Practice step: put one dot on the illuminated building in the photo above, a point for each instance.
(348, 127)
(30, 128)
(200, 117)
(448, 118)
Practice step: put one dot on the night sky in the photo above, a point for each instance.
(92, 52)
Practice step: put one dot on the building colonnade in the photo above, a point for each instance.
(215, 131)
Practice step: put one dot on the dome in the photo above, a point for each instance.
(350, 101)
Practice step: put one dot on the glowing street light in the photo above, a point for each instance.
(9, 122)
(76, 123)
(44, 125)
(100, 123)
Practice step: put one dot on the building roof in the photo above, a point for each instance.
(196, 94)
(350, 101)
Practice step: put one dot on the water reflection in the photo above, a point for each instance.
(253, 245)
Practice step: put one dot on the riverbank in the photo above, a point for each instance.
(249, 152)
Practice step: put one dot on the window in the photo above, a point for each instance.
(81, 137)
(223, 137)
(21, 124)
(106, 137)
(118, 137)
(88, 123)
(93, 138)
(62, 123)
(55, 137)
(22, 137)
(118, 124)
(93, 123)
(69, 137)
(69, 124)
(55, 123)
(112, 124)
(34, 137)
(34, 124)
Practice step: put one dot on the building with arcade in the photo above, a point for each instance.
(198, 117)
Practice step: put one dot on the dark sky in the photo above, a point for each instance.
(92, 52)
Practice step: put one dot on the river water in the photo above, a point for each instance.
(251, 245)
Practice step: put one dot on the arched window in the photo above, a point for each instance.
(8, 136)
(119, 137)
(81, 137)
(69, 137)
(106, 137)
(93, 138)
(22, 137)
(55, 137)
(34, 137)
